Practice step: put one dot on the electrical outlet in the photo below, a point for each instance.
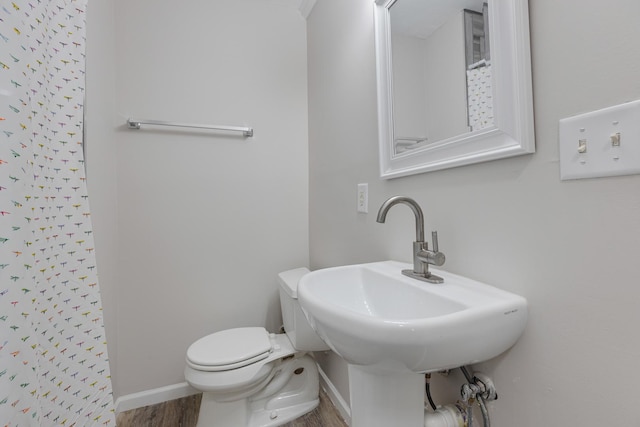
(363, 198)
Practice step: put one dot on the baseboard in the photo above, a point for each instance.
(336, 398)
(154, 396)
(177, 391)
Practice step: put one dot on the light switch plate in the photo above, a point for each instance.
(601, 143)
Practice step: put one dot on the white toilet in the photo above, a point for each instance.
(251, 378)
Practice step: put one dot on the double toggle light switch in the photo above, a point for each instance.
(598, 136)
(582, 143)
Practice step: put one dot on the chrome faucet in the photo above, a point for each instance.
(422, 256)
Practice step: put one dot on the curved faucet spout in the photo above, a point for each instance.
(422, 256)
(382, 213)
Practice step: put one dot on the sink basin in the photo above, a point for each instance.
(375, 317)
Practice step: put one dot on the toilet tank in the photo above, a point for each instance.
(298, 329)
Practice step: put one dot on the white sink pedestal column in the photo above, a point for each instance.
(386, 399)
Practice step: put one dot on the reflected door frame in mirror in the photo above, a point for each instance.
(512, 133)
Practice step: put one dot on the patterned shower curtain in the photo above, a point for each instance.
(480, 97)
(54, 367)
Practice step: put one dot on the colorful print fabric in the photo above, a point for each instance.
(54, 367)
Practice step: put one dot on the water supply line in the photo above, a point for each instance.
(479, 388)
(427, 389)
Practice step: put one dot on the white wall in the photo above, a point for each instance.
(570, 248)
(430, 83)
(202, 222)
(409, 87)
(101, 161)
(446, 84)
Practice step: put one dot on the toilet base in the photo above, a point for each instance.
(292, 392)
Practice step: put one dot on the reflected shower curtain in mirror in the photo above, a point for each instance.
(480, 96)
(54, 367)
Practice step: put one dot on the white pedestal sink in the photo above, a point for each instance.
(391, 329)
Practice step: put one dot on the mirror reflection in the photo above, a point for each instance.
(441, 70)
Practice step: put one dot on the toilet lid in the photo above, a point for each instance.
(229, 349)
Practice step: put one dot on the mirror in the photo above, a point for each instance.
(454, 83)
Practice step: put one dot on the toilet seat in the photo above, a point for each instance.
(230, 349)
(239, 377)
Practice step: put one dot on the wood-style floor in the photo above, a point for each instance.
(175, 413)
(184, 413)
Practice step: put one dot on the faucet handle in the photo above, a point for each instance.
(434, 241)
(435, 257)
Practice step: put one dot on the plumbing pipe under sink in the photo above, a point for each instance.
(451, 415)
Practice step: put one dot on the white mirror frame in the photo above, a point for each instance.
(513, 131)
